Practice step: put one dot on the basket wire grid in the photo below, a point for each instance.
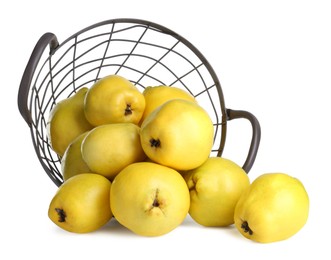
(145, 53)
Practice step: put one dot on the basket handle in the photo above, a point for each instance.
(45, 40)
(256, 135)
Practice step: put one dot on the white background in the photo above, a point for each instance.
(273, 58)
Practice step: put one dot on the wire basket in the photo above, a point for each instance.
(146, 53)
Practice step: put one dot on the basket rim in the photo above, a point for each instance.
(162, 29)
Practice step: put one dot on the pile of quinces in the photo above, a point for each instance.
(144, 159)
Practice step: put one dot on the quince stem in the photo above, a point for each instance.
(155, 143)
(246, 228)
(128, 110)
(62, 214)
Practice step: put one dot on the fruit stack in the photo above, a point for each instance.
(144, 159)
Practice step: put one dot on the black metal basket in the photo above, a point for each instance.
(146, 53)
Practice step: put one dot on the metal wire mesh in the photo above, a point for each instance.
(145, 53)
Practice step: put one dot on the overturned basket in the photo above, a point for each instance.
(144, 52)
